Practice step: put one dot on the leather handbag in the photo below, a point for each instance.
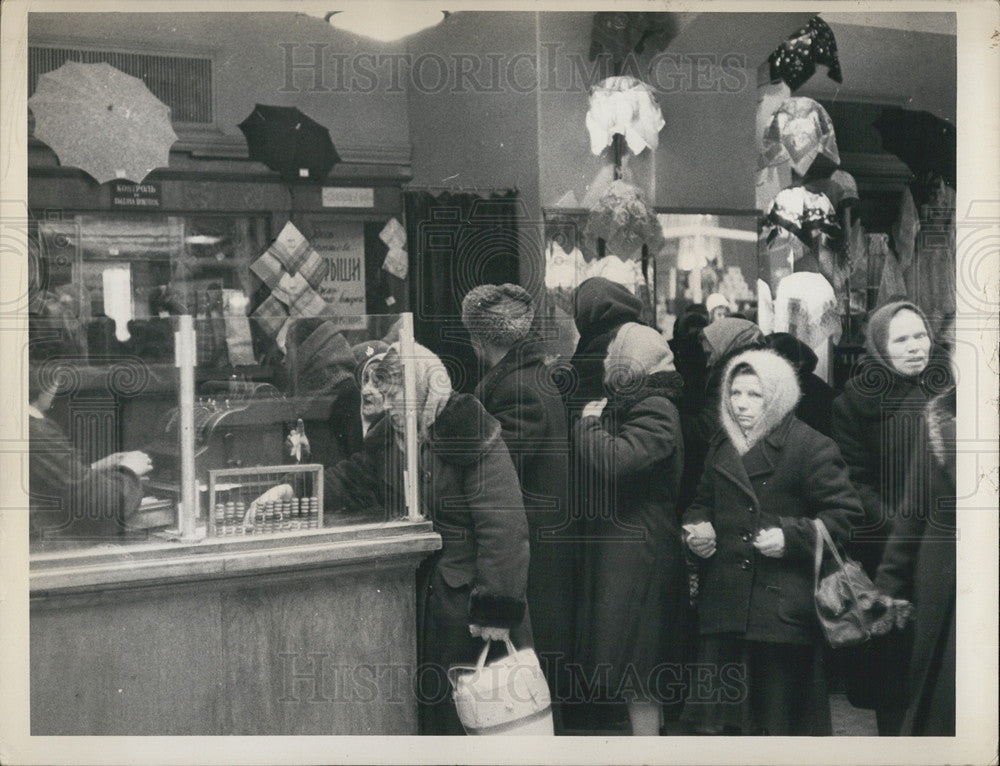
(508, 696)
(851, 610)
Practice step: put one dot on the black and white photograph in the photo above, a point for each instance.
(382, 378)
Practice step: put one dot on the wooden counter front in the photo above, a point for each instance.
(304, 633)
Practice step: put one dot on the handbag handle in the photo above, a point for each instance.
(823, 536)
(511, 649)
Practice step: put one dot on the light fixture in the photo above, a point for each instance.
(386, 21)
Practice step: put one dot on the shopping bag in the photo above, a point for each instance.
(508, 696)
(851, 610)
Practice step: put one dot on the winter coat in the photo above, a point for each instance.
(787, 476)
(919, 566)
(67, 498)
(518, 392)
(875, 421)
(468, 489)
(634, 587)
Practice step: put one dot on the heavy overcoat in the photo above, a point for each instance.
(633, 608)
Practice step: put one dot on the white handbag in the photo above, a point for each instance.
(509, 696)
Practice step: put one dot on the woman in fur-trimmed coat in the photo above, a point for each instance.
(474, 587)
(767, 476)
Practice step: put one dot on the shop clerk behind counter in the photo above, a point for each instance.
(69, 499)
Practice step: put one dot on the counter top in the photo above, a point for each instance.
(109, 567)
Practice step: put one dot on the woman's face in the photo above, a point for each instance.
(746, 397)
(908, 345)
(372, 400)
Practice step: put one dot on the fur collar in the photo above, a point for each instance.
(668, 384)
(941, 425)
(781, 395)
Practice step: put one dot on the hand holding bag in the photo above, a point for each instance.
(509, 696)
(851, 610)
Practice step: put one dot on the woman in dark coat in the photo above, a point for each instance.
(918, 567)
(767, 476)
(475, 586)
(632, 610)
(518, 391)
(875, 423)
(815, 408)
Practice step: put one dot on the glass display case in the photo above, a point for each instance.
(268, 396)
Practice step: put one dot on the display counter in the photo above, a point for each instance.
(305, 633)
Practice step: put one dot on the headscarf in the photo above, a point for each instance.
(780, 387)
(432, 383)
(601, 305)
(636, 352)
(725, 335)
(877, 334)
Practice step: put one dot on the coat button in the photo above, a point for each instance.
(746, 537)
(745, 564)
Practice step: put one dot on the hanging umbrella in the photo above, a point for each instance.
(103, 121)
(925, 142)
(290, 143)
(800, 131)
(627, 106)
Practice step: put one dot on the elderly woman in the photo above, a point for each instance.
(875, 423)
(474, 588)
(635, 592)
(767, 476)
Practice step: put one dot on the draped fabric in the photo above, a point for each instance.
(457, 240)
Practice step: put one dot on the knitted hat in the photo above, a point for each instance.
(498, 314)
(636, 351)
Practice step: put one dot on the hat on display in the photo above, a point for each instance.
(716, 300)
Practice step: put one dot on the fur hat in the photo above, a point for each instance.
(780, 386)
(636, 351)
(498, 314)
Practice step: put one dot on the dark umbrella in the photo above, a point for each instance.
(290, 143)
(925, 142)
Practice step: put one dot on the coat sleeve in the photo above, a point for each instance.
(703, 507)
(651, 433)
(78, 501)
(828, 495)
(862, 459)
(895, 573)
(501, 539)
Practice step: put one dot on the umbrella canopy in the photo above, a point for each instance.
(925, 142)
(103, 121)
(800, 131)
(290, 143)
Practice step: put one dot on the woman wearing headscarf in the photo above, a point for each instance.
(474, 587)
(875, 422)
(367, 356)
(635, 594)
(767, 476)
(918, 572)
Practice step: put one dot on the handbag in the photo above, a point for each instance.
(851, 610)
(508, 696)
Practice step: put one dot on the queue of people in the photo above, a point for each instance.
(641, 511)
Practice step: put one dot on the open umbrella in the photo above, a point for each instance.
(103, 121)
(925, 142)
(290, 143)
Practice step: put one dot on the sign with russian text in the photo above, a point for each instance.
(144, 196)
(348, 196)
(341, 245)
